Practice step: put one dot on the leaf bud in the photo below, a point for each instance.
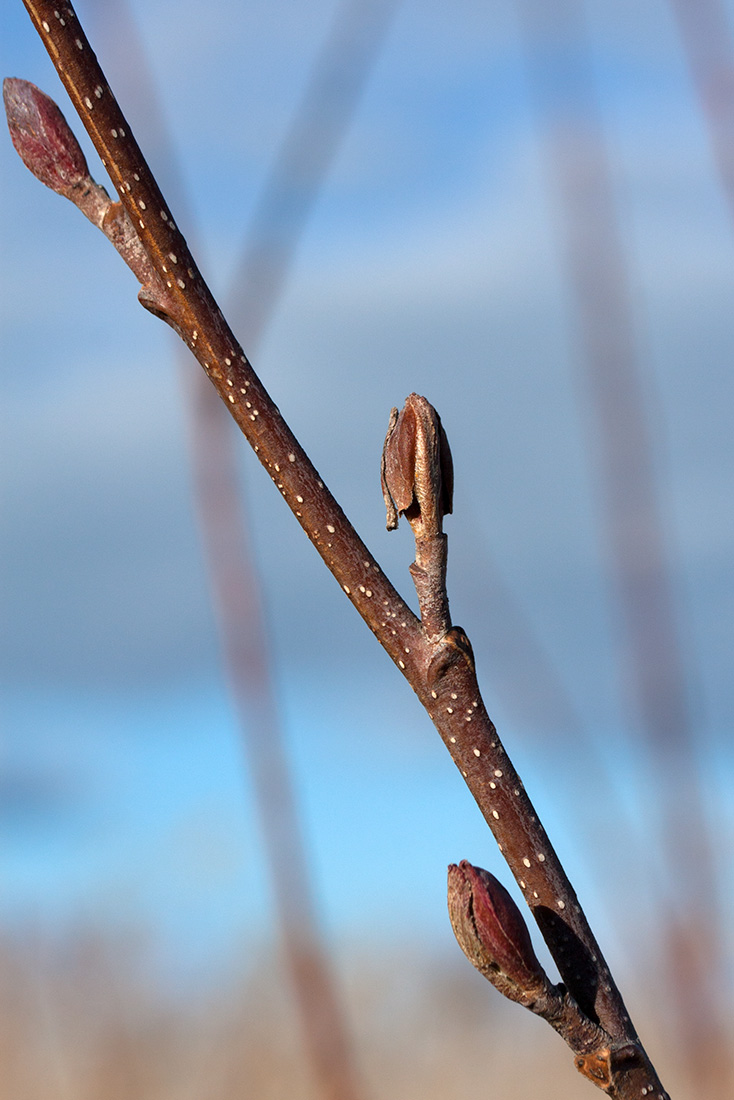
(417, 468)
(493, 935)
(43, 138)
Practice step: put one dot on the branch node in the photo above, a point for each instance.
(596, 1066)
(493, 935)
(452, 650)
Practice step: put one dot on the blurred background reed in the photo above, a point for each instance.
(210, 771)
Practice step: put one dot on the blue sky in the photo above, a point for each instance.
(431, 263)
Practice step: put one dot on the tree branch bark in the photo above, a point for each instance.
(434, 656)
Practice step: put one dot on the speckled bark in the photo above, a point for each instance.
(434, 657)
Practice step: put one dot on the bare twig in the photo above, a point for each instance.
(439, 668)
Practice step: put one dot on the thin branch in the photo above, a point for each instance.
(440, 669)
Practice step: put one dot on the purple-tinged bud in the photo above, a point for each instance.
(43, 138)
(493, 935)
(417, 469)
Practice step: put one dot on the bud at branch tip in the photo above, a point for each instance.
(43, 138)
(417, 469)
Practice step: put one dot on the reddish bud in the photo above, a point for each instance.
(43, 138)
(417, 469)
(492, 933)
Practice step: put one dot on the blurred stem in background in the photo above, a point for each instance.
(320, 121)
(706, 35)
(652, 666)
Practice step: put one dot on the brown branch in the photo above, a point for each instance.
(439, 668)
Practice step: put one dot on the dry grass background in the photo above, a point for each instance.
(84, 1020)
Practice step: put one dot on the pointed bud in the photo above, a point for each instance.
(417, 469)
(493, 935)
(43, 138)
